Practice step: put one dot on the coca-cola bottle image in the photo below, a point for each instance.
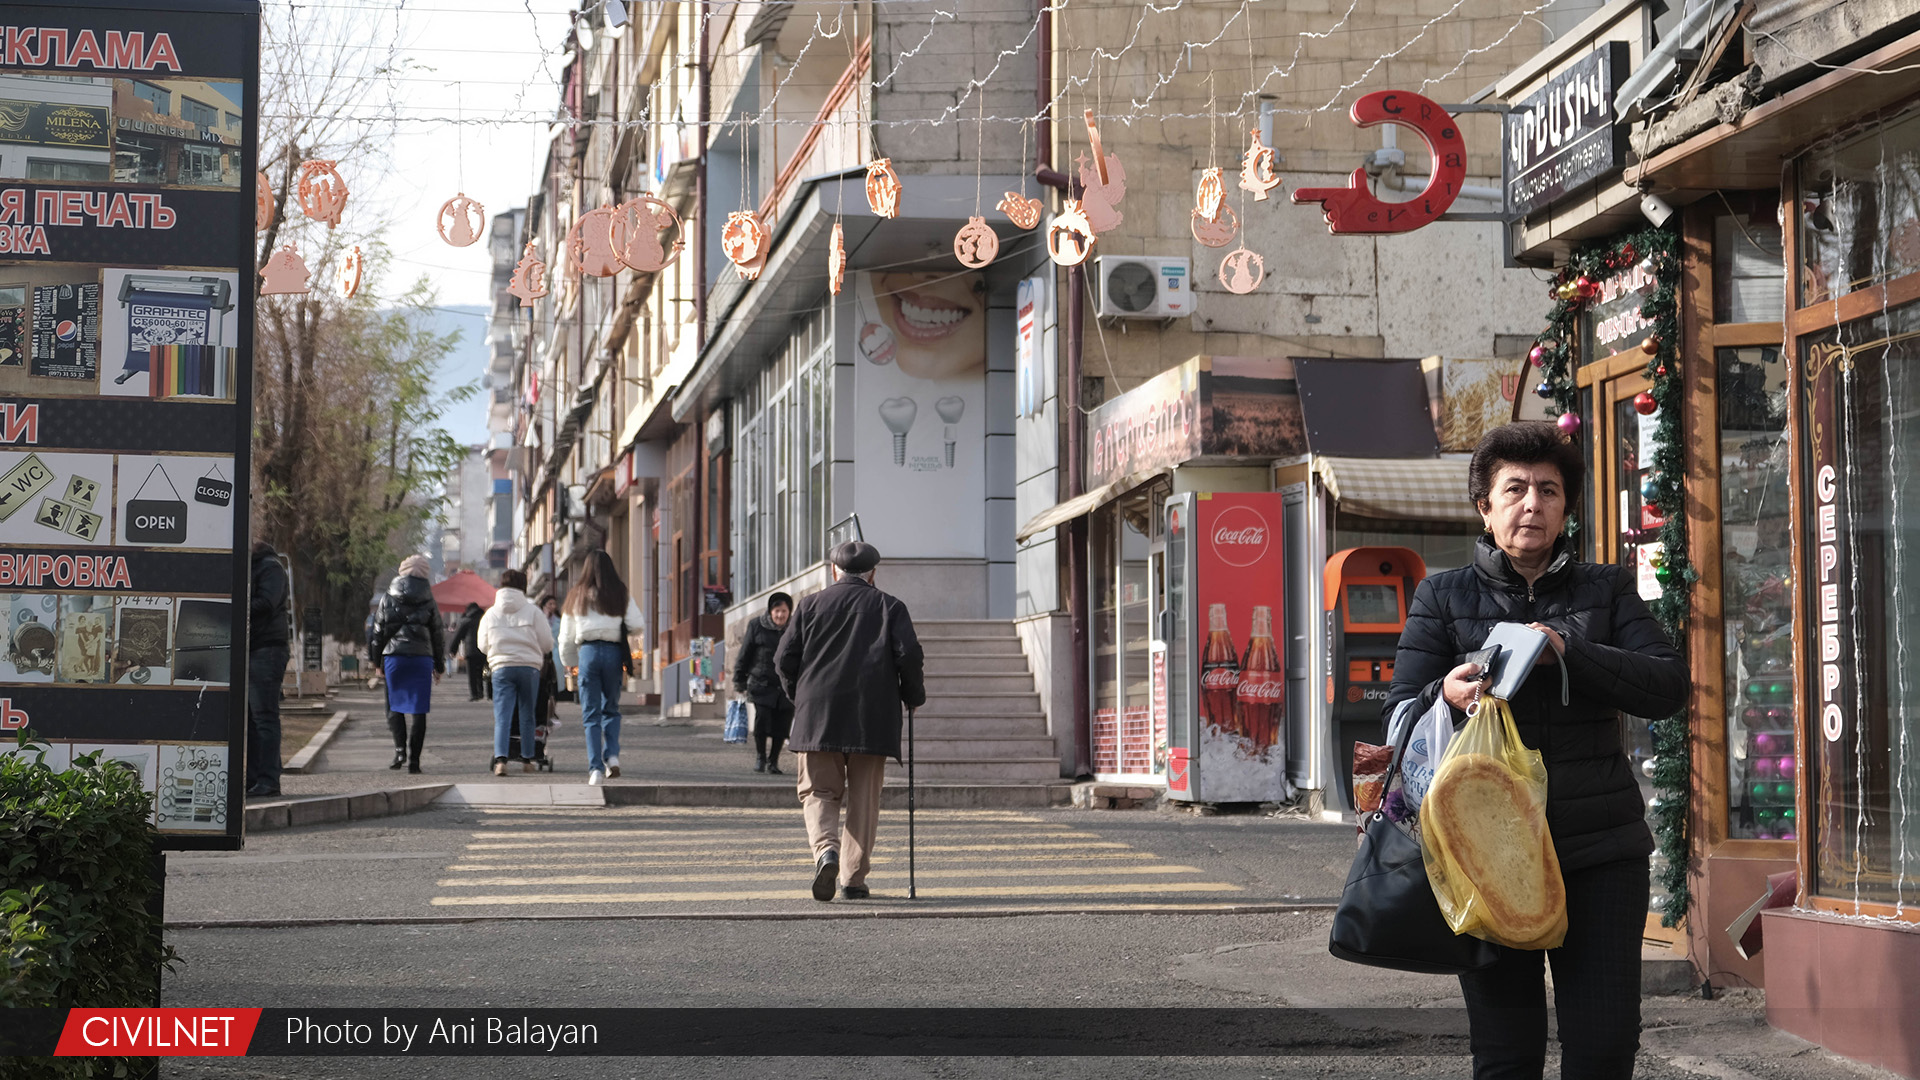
(1263, 684)
(1219, 674)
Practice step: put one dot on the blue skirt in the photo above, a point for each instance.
(409, 684)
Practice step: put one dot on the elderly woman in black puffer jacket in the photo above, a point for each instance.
(1523, 478)
(754, 677)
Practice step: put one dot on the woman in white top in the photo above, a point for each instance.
(594, 623)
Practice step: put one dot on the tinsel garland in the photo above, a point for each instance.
(1556, 354)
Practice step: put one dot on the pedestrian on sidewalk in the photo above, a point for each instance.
(594, 626)
(849, 661)
(755, 679)
(514, 635)
(267, 653)
(1523, 478)
(408, 639)
(466, 640)
(551, 607)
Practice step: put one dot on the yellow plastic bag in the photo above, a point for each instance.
(1483, 830)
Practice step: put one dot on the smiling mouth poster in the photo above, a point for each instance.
(920, 349)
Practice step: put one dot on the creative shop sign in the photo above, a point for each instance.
(1564, 134)
(1615, 318)
(1354, 209)
(1218, 407)
(123, 538)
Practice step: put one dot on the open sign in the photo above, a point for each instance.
(156, 521)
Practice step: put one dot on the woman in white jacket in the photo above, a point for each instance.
(515, 637)
(594, 623)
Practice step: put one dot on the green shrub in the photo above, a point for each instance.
(77, 851)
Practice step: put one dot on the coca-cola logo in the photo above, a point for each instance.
(1260, 688)
(1219, 678)
(1240, 536)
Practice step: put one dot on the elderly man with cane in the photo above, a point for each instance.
(849, 661)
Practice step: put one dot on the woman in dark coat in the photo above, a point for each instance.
(754, 676)
(1523, 478)
(408, 640)
(466, 639)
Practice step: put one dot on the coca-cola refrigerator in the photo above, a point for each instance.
(1226, 685)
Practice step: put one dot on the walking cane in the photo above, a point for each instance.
(912, 892)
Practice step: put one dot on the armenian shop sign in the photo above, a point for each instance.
(1213, 409)
(123, 547)
(1614, 319)
(1564, 135)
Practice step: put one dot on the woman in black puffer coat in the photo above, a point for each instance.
(755, 678)
(408, 642)
(1523, 478)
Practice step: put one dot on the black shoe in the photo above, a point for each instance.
(825, 872)
(760, 763)
(262, 791)
(413, 767)
(853, 892)
(774, 767)
(399, 759)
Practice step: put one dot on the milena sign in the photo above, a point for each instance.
(1564, 135)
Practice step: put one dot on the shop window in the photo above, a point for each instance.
(67, 171)
(137, 161)
(1860, 212)
(16, 320)
(199, 165)
(1748, 278)
(194, 112)
(1757, 604)
(1861, 575)
(161, 100)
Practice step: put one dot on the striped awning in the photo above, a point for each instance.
(1404, 489)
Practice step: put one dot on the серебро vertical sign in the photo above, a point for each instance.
(126, 243)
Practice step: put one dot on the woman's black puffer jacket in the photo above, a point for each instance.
(1618, 661)
(409, 623)
(753, 673)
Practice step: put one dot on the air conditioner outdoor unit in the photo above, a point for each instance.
(1145, 286)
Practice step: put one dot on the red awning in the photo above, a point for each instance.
(466, 587)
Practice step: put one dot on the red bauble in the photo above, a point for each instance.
(1626, 253)
(1537, 356)
(1588, 287)
(1569, 424)
(1644, 404)
(1661, 370)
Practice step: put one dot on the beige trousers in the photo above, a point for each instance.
(828, 780)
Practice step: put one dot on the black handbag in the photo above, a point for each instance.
(1388, 916)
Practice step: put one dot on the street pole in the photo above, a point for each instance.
(912, 891)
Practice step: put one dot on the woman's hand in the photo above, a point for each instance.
(1462, 685)
(1553, 638)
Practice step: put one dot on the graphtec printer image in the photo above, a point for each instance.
(172, 327)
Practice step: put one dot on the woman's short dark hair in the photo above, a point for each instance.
(513, 579)
(1528, 442)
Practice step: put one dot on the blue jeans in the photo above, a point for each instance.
(514, 691)
(600, 675)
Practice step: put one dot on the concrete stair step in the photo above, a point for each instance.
(946, 747)
(977, 683)
(979, 726)
(965, 628)
(1035, 770)
(977, 665)
(983, 704)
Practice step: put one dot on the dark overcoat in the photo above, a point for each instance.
(850, 660)
(1618, 659)
(753, 673)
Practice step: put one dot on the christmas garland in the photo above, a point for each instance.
(1556, 353)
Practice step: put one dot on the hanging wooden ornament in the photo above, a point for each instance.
(744, 242)
(1206, 200)
(1259, 168)
(285, 273)
(1104, 181)
(351, 269)
(1022, 211)
(883, 188)
(461, 220)
(837, 259)
(262, 202)
(636, 231)
(1219, 232)
(976, 244)
(529, 281)
(591, 243)
(322, 191)
(1242, 271)
(1070, 238)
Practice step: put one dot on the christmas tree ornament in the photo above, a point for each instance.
(1218, 233)
(1206, 200)
(636, 232)
(1545, 390)
(1103, 181)
(1537, 356)
(1070, 237)
(1654, 343)
(1650, 488)
(1259, 168)
(461, 220)
(1022, 211)
(1567, 291)
(262, 202)
(837, 259)
(1661, 370)
(1657, 558)
(1242, 271)
(976, 244)
(743, 240)
(1627, 253)
(1663, 575)
(529, 281)
(883, 189)
(1586, 287)
(322, 191)
(1644, 404)
(590, 243)
(1569, 424)
(351, 269)
(285, 273)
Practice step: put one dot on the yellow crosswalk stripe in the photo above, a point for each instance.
(787, 875)
(695, 858)
(1024, 891)
(798, 828)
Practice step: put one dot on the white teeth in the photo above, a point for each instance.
(929, 317)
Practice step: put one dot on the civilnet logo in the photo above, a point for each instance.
(1240, 536)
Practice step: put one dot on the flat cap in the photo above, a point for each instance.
(855, 556)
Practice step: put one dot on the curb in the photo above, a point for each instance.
(327, 809)
(836, 910)
(308, 756)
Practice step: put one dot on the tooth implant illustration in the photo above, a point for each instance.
(898, 413)
(950, 408)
